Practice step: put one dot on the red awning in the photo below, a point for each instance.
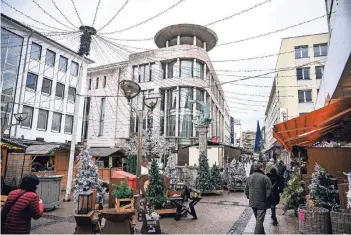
(307, 129)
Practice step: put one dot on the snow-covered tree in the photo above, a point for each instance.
(216, 179)
(153, 145)
(88, 177)
(203, 178)
(237, 174)
(171, 172)
(322, 191)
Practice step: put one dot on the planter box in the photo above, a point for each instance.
(49, 190)
(124, 205)
(166, 211)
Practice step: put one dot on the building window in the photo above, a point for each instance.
(97, 83)
(104, 82)
(319, 72)
(69, 124)
(199, 70)
(28, 121)
(186, 68)
(152, 72)
(171, 122)
(102, 116)
(162, 126)
(185, 125)
(50, 58)
(60, 90)
(63, 64)
(135, 73)
(74, 68)
(56, 122)
(305, 96)
(186, 95)
(301, 52)
(317, 91)
(43, 119)
(142, 73)
(199, 97)
(46, 87)
(32, 80)
(172, 69)
(72, 94)
(320, 49)
(303, 73)
(89, 86)
(35, 51)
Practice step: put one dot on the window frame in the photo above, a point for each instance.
(46, 122)
(42, 86)
(74, 96)
(322, 71)
(60, 123)
(102, 116)
(89, 84)
(41, 50)
(51, 65)
(36, 82)
(71, 131)
(303, 73)
(319, 46)
(104, 82)
(300, 48)
(65, 71)
(64, 88)
(77, 70)
(304, 96)
(29, 116)
(97, 83)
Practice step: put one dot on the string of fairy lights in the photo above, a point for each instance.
(106, 49)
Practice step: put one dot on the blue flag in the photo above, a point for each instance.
(258, 139)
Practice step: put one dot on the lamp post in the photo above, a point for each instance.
(130, 90)
(20, 117)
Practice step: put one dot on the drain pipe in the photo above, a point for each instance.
(22, 81)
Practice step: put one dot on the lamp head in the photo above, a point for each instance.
(129, 88)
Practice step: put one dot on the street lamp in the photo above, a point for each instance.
(130, 90)
(20, 117)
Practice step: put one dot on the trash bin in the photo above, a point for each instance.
(131, 178)
(49, 190)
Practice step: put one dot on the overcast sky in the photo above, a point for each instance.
(270, 16)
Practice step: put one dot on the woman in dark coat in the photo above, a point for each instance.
(278, 186)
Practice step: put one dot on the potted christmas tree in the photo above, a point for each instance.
(155, 190)
(216, 178)
(124, 197)
(203, 178)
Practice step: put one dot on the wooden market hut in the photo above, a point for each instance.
(108, 160)
(49, 159)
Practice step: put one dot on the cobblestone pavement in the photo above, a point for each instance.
(288, 224)
(216, 214)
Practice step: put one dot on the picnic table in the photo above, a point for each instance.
(182, 210)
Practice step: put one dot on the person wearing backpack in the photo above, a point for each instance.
(278, 186)
(21, 206)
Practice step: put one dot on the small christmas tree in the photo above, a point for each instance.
(216, 178)
(155, 191)
(132, 164)
(203, 178)
(237, 174)
(88, 177)
(291, 196)
(322, 191)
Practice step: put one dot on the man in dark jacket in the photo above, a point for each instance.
(251, 168)
(258, 190)
(281, 168)
(278, 186)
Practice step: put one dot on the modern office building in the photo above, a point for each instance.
(40, 78)
(248, 140)
(336, 82)
(295, 87)
(178, 72)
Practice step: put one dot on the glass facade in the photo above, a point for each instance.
(187, 68)
(11, 48)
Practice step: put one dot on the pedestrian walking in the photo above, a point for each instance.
(258, 190)
(281, 168)
(269, 165)
(278, 186)
(21, 206)
(252, 165)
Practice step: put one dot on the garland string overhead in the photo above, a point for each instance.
(97, 9)
(63, 14)
(15, 9)
(109, 22)
(147, 20)
(75, 8)
(46, 13)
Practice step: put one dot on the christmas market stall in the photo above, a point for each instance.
(108, 160)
